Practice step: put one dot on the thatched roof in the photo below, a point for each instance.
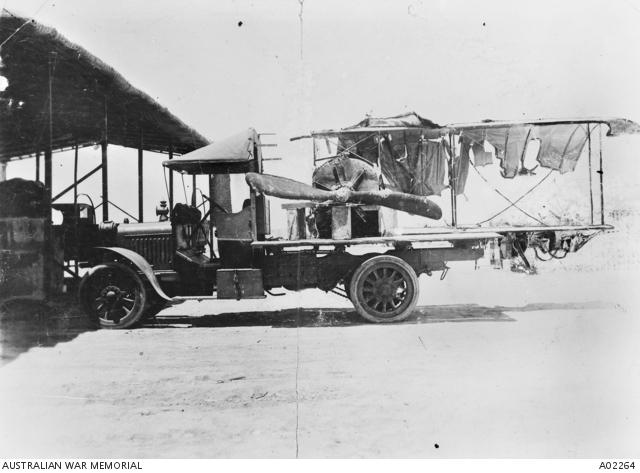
(83, 86)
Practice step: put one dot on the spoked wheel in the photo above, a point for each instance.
(384, 289)
(113, 295)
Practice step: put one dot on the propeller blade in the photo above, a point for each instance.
(284, 188)
(413, 204)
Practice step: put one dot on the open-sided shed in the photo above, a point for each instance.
(55, 96)
(59, 96)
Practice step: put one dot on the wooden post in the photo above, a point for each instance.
(170, 181)
(105, 170)
(48, 177)
(48, 234)
(212, 210)
(105, 183)
(47, 260)
(76, 213)
(75, 175)
(140, 181)
(37, 166)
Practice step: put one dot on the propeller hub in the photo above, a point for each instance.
(343, 194)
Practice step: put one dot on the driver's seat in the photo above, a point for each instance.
(188, 229)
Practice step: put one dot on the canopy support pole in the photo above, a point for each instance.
(105, 170)
(452, 184)
(170, 181)
(601, 172)
(193, 190)
(140, 180)
(315, 151)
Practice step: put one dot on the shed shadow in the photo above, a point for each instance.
(25, 324)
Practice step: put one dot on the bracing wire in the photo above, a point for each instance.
(511, 202)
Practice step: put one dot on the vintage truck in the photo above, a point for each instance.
(337, 237)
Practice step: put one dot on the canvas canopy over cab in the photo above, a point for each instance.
(239, 153)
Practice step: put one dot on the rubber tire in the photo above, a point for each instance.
(361, 273)
(140, 305)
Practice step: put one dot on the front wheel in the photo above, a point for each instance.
(384, 289)
(113, 295)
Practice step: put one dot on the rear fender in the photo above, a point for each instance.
(140, 264)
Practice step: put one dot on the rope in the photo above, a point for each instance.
(512, 203)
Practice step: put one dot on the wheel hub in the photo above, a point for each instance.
(111, 294)
(386, 290)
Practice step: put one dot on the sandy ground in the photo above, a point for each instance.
(493, 364)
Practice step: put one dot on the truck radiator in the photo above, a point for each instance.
(156, 249)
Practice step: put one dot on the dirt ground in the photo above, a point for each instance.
(493, 364)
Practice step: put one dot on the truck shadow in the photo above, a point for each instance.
(25, 324)
(332, 317)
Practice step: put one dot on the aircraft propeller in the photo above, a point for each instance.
(285, 188)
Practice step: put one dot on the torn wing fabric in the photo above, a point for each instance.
(509, 143)
(461, 167)
(409, 163)
(514, 148)
(480, 156)
(413, 165)
(560, 145)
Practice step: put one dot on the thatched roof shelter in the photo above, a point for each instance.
(91, 102)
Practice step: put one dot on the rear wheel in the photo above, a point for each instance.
(384, 289)
(113, 295)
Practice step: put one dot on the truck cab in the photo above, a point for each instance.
(200, 251)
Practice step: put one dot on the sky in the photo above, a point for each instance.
(284, 67)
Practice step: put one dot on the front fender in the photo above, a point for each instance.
(140, 263)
